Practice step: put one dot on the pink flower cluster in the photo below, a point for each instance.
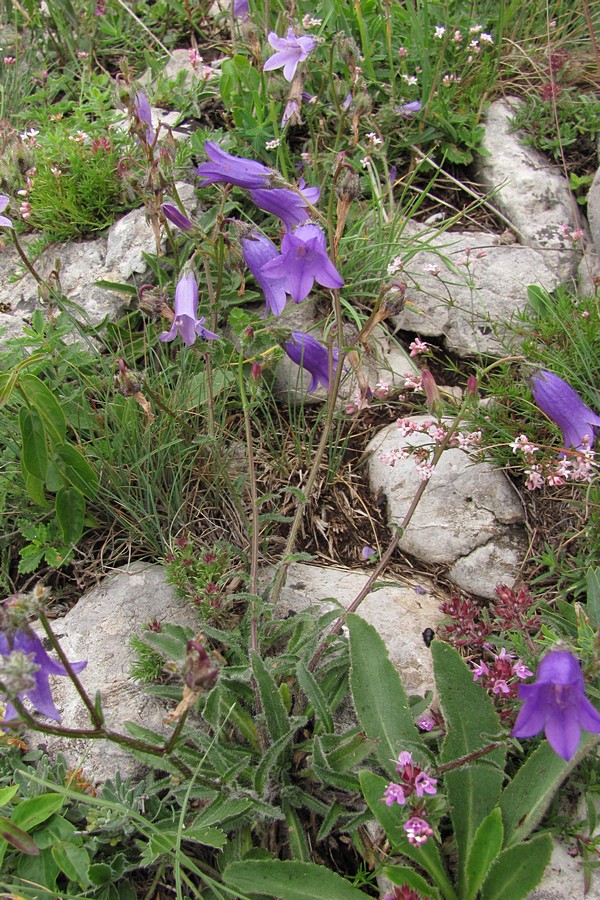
(578, 466)
(415, 783)
(502, 674)
(437, 431)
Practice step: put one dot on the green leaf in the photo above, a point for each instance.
(76, 470)
(315, 695)
(99, 874)
(17, 837)
(117, 286)
(486, 846)
(223, 812)
(473, 789)
(36, 810)
(392, 819)
(518, 870)
(46, 404)
(208, 837)
(73, 861)
(592, 607)
(298, 844)
(276, 718)
(35, 489)
(289, 880)
(403, 875)
(69, 507)
(539, 300)
(33, 437)
(7, 793)
(525, 800)
(379, 697)
(270, 757)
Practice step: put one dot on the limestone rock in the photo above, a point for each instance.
(564, 879)
(470, 518)
(479, 286)
(593, 207)
(98, 629)
(399, 613)
(528, 189)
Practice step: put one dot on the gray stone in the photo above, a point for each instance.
(469, 514)
(588, 273)
(470, 305)
(593, 210)
(564, 878)
(98, 629)
(115, 257)
(399, 613)
(527, 188)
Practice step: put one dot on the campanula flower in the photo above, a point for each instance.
(556, 703)
(4, 221)
(408, 110)
(564, 406)
(291, 50)
(258, 250)
(290, 206)
(305, 351)
(185, 323)
(303, 261)
(141, 108)
(176, 217)
(25, 646)
(240, 9)
(245, 173)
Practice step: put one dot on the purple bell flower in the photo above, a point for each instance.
(305, 351)
(40, 696)
(303, 261)
(4, 221)
(176, 217)
(289, 205)
(186, 324)
(258, 250)
(556, 703)
(141, 108)
(291, 50)
(240, 9)
(564, 406)
(245, 173)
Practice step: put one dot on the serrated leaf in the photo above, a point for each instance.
(34, 456)
(518, 870)
(379, 697)
(289, 880)
(315, 696)
(276, 717)
(486, 846)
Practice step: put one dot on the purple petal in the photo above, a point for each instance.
(245, 173)
(176, 217)
(563, 731)
(532, 716)
(564, 406)
(588, 715)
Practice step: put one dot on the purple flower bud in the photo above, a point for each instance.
(245, 173)
(291, 50)
(185, 323)
(367, 553)
(141, 108)
(305, 351)
(564, 406)
(408, 110)
(556, 703)
(38, 692)
(240, 9)
(303, 261)
(4, 221)
(176, 217)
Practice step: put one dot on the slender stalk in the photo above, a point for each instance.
(463, 760)
(253, 500)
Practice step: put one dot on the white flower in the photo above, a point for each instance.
(440, 31)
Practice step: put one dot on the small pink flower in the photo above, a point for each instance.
(426, 723)
(417, 831)
(394, 793)
(417, 347)
(425, 784)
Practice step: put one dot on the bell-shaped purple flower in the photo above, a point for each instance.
(142, 110)
(291, 50)
(290, 206)
(307, 352)
(39, 694)
(245, 173)
(258, 250)
(303, 261)
(564, 406)
(185, 323)
(240, 9)
(556, 703)
(4, 221)
(176, 217)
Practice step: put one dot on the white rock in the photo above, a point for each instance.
(399, 613)
(564, 880)
(593, 208)
(98, 629)
(469, 516)
(528, 189)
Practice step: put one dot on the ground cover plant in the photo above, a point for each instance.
(318, 131)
